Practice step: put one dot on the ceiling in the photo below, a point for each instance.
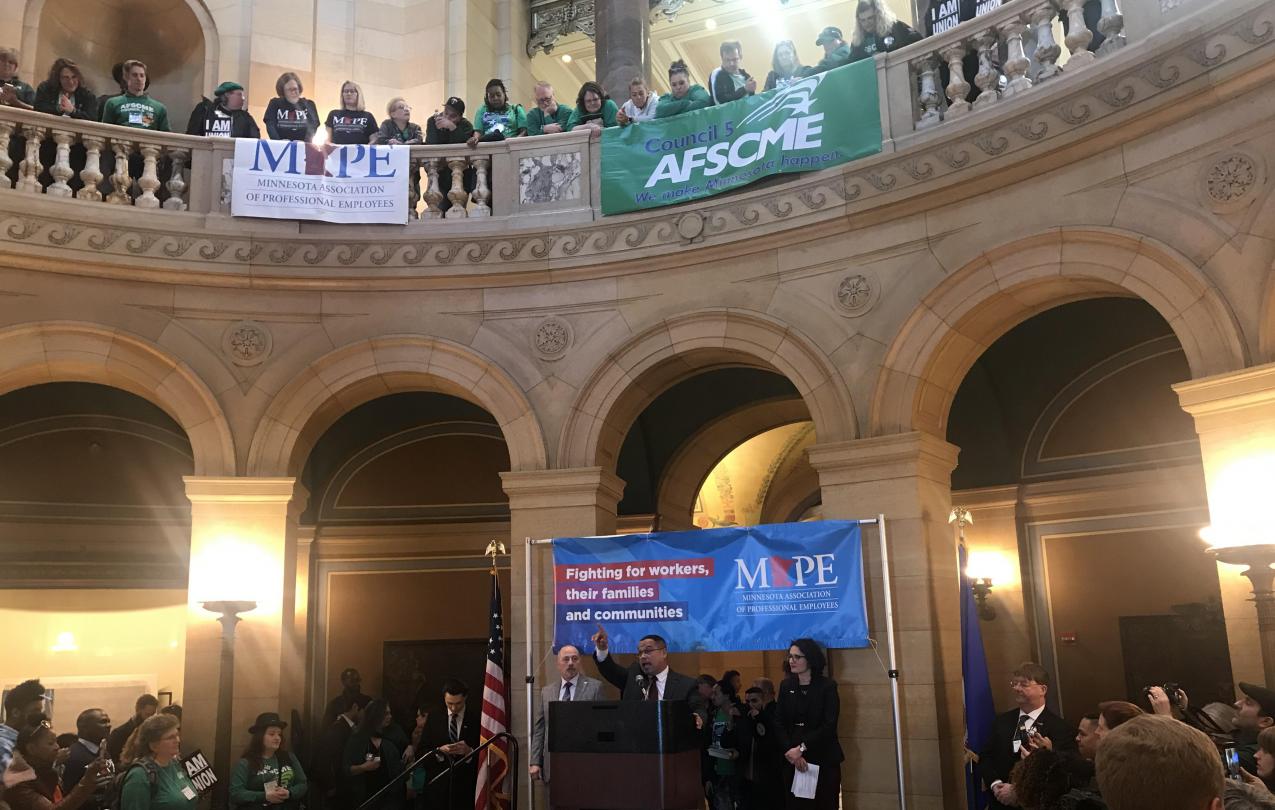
(700, 28)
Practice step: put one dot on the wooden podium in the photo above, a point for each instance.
(624, 755)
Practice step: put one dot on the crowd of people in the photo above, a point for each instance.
(1123, 757)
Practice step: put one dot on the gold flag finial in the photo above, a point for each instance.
(495, 548)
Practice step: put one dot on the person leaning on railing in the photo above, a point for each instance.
(445, 128)
(549, 116)
(398, 129)
(498, 118)
(290, 116)
(785, 65)
(594, 109)
(65, 93)
(640, 106)
(682, 96)
(223, 116)
(877, 30)
(134, 108)
(13, 91)
(730, 81)
(836, 51)
(351, 123)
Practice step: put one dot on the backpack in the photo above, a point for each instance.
(115, 794)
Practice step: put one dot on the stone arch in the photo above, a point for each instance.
(360, 372)
(1003, 287)
(683, 345)
(41, 45)
(694, 460)
(65, 351)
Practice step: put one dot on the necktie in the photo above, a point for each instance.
(653, 692)
(566, 690)
(455, 727)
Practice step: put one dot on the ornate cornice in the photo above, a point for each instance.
(1121, 97)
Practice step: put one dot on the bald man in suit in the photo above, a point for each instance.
(571, 684)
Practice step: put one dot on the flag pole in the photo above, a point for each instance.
(530, 676)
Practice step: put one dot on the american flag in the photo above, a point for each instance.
(493, 762)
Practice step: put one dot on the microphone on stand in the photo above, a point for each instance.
(642, 684)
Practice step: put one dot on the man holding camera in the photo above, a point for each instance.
(1255, 711)
(1019, 731)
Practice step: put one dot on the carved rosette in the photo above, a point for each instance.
(552, 338)
(1229, 181)
(856, 294)
(247, 343)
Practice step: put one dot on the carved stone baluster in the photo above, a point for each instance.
(91, 174)
(433, 197)
(957, 88)
(61, 169)
(1047, 50)
(989, 77)
(482, 193)
(928, 94)
(1078, 35)
(149, 182)
(6, 162)
(457, 195)
(120, 181)
(176, 182)
(1111, 26)
(413, 187)
(1016, 62)
(29, 171)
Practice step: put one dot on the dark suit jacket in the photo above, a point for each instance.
(77, 763)
(816, 727)
(455, 791)
(677, 687)
(996, 761)
(327, 770)
(119, 736)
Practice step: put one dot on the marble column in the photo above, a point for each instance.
(1235, 418)
(243, 545)
(622, 33)
(906, 477)
(546, 504)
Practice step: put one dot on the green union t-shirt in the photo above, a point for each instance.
(140, 112)
(173, 789)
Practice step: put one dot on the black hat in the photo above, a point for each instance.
(267, 720)
(1264, 697)
(829, 34)
(456, 104)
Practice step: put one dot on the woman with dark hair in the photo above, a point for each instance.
(1049, 780)
(682, 96)
(31, 781)
(1264, 779)
(594, 108)
(154, 778)
(806, 724)
(289, 115)
(64, 92)
(267, 774)
(1112, 714)
(372, 759)
(497, 119)
(785, 65)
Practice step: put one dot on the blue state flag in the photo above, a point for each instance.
(980, 710)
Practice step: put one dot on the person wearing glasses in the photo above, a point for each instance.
(154, 777)
(1021, 730)
(806, 724)
(31, 780)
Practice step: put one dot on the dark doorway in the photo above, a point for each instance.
(415, 671)
(1187, 647)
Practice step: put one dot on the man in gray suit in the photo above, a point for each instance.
(571, 685)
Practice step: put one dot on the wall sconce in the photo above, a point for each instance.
(985, 569)
(982, 588)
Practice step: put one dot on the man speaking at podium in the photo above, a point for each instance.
(648, 678)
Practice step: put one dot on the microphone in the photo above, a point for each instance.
(642, 684)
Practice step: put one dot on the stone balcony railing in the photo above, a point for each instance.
(542, 209)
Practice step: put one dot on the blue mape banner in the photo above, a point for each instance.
(753, 588)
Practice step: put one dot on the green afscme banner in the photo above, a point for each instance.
(813, 123)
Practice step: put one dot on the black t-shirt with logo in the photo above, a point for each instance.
(351, 126)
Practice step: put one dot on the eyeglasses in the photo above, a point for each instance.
(1021, 683)
(795, 657)
(649, 650)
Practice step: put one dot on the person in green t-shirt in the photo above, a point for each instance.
(682, 96)
(267, 774)
(549, 116)
(594, 108)
(498, 119)
(135, 108)
(154, 778)
(723, 787)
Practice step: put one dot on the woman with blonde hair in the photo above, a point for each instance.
(878, 30)
(398, 129)
(154, 778)
(351, 123)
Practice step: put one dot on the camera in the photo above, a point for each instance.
(1171, 689)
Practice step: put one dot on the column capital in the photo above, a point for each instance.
(903, 455)
(581, 486)
(1233, 399)
(238, 489)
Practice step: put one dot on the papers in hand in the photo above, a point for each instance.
(721, 753)
(804, 784)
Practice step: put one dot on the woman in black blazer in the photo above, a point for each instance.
(806, 725)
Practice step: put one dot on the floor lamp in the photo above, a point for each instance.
(228, 614)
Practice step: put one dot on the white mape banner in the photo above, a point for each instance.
(295, 180)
